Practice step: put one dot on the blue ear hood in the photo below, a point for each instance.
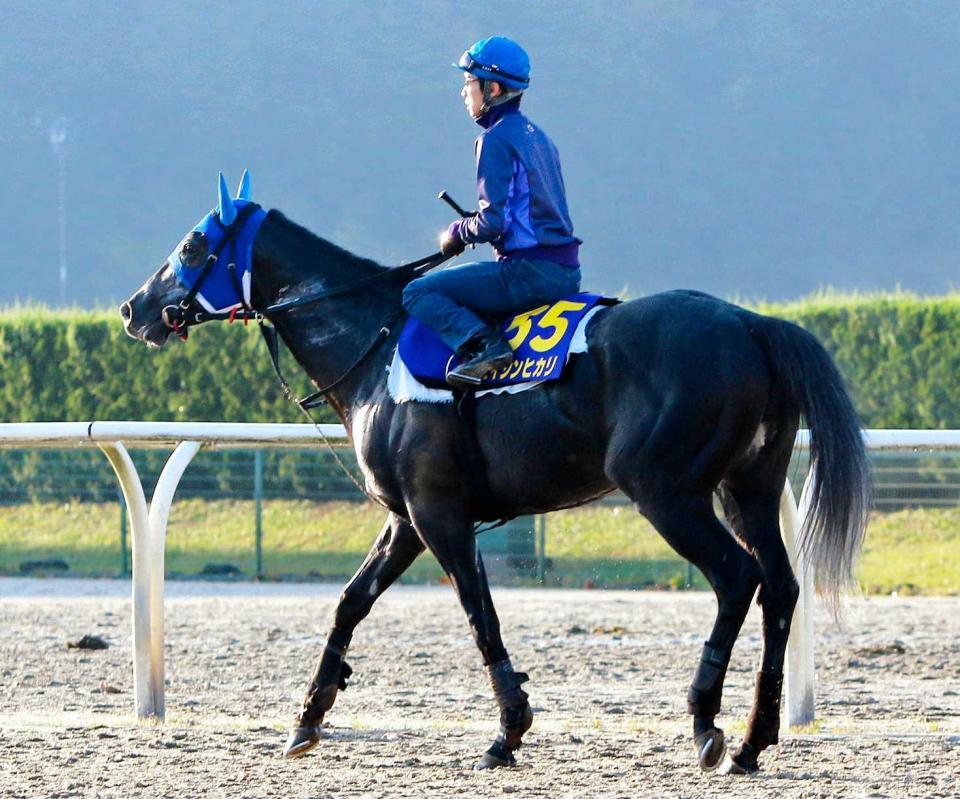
(244, 192)
(219, 290)
(225, 203)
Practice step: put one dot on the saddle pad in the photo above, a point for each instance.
(404, 387)
(540, 339)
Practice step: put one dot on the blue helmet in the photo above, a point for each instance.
(498, 58)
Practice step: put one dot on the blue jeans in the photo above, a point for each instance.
(449, 300)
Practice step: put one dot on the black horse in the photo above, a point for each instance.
(680, 396)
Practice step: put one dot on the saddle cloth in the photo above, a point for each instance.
(541, 340)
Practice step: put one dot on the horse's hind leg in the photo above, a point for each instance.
(691, 527)
(760, 530)
(688, 523)
(396, 547)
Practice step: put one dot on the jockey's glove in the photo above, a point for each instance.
(451, 244)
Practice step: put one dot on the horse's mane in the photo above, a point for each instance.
(318, 250)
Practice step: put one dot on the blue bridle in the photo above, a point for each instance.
(214, 262)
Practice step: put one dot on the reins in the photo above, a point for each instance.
(318, 398)
(245, 313)
(181, 316)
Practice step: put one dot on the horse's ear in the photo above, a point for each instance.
(225, 207)
(243, 192)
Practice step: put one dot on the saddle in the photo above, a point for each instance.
(540, 339)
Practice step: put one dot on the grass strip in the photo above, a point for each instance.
(907, 551)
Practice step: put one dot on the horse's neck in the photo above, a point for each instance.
(331, 344)
(327, 337)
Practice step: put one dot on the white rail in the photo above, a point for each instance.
(149, 523)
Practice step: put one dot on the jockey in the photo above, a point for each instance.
(522, 213)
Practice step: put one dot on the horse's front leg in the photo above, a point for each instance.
(395, 549)
(448, 532)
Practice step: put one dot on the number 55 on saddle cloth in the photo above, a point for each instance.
(541, 340)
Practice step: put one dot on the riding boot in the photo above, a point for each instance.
(483, 353)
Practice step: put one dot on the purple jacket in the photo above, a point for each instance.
(522, 201)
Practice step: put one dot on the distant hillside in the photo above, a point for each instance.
(753, 149)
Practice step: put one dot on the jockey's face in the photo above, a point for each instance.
(472, 94)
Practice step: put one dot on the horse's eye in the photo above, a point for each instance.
(192, 250)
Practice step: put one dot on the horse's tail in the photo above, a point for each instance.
(833, 530)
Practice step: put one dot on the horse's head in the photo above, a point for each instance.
(208, 274)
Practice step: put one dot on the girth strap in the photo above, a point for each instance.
(474, 463)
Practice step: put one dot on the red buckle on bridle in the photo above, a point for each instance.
(233, 316)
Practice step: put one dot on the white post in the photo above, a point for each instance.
(149, 535)
(148, 525)
(139, 535)
(800, 668)
(159, 514)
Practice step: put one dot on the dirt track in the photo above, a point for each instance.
(608, 679)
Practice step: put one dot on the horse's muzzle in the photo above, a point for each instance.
(154, 333)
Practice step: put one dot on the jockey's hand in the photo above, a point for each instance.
(450, 242)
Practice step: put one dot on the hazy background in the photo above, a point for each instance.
(751, 149)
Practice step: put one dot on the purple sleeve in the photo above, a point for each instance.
(494, 176)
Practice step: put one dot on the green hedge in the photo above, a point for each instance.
(80, 365)
(899, 353)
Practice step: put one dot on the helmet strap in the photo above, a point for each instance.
(487, 98)
(489, 101)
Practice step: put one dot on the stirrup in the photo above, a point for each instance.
(471, 372)
(472, 376)
(463, 381)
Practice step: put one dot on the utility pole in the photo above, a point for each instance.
(58, 141)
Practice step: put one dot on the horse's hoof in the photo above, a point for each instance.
(495, 757)
(711, 748)
(743, 761)
(301, 740)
